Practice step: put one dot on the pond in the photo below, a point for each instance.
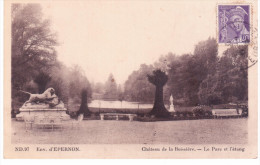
(118, 104)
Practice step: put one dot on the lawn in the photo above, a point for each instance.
(204, 131)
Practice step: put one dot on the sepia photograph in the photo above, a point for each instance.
(130, 79)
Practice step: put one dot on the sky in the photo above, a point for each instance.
(115, 37)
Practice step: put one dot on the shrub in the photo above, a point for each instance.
(199, 111)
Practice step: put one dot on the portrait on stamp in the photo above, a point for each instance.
(234, 23)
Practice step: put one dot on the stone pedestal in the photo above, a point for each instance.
(171, 108)
(29, 111)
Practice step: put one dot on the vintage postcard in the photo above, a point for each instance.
(130, 79)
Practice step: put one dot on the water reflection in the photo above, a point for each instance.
(118, 104)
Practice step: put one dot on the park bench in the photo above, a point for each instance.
(117, 115)
(226, 113)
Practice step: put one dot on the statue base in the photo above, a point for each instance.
(171, 109)
(29, 111)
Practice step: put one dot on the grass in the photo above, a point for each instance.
(206, 131)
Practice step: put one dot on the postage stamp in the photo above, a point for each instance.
(234, 23)
(130, 79)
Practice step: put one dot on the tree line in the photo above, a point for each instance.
(203, 77)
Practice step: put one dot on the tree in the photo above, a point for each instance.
(199, 67)
(110, 88)
(60, 80)
(33, 43)
(78, 82)
(234, 74)
(210, 90)
(137, 88)
(42, 79)
(177, 80)
(84, 103)
(32, 49)
(159, 79)
(98, 87)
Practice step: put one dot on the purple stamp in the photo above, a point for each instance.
(233, 24)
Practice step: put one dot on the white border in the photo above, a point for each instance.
(67, 162)
(1, 77)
